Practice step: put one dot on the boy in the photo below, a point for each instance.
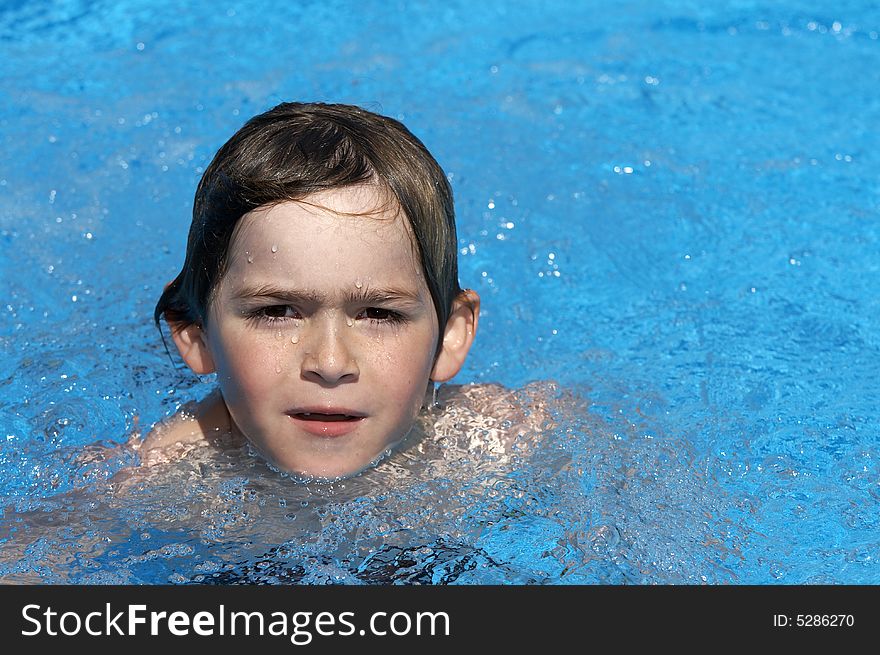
(321, 285)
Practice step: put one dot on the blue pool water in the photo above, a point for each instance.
(669, 209)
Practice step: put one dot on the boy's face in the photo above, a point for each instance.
(322, 331)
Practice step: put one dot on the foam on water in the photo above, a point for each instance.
(581, 503)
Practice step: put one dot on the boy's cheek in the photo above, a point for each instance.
(247, 368)
(238, 349)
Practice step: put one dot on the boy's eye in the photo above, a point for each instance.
(279, 311)
(379, 314)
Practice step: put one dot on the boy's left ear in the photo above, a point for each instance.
(458, 336)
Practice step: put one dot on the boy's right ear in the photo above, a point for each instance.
(193, 347)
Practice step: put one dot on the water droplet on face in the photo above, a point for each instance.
(349, 322)
(278, 335)
(294, 339)
(274, 247)
(277, 368)
(358, 284)
(250, 259)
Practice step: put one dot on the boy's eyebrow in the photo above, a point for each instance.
(363, 294)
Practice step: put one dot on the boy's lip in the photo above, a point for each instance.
(325, 413)
(326, 421)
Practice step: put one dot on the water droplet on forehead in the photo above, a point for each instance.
(274, 247)
(277, 368)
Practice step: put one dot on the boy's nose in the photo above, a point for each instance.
(327, 358)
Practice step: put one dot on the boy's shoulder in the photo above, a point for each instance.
(494, 399)
(493, 416)
(194, 424)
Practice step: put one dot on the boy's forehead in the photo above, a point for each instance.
(371, 201)
(371, 198)
(354, 226)
(366, 208)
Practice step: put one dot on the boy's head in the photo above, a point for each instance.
(297, 149)
(321, 284)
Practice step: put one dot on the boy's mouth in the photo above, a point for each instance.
(327, 422)
(319, 416)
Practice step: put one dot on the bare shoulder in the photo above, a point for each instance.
(193, 425)
(494, 417)
(526, 406)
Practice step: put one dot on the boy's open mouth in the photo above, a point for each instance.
(333, 422)
(317, 416)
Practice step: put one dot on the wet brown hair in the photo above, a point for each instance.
(296, 149)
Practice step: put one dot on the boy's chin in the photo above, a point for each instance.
(324, 471)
